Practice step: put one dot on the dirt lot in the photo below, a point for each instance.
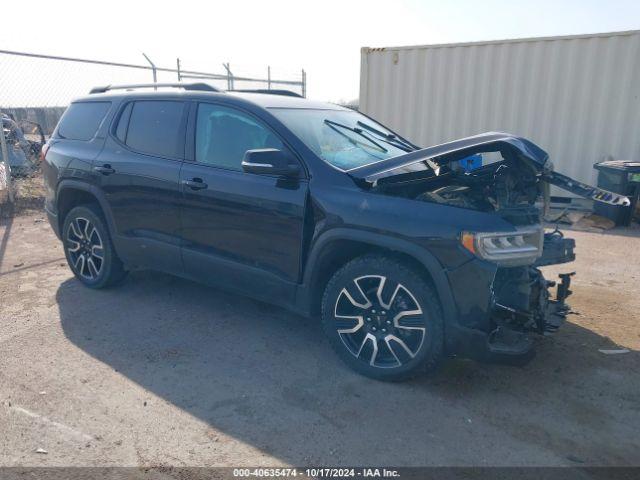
(29, 196)
(162, 371)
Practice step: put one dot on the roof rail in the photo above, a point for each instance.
(202, 87)
(285, 93)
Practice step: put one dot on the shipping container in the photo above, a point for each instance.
(578, 97)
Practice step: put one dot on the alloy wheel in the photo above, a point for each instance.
(85, 248)
(379, 321)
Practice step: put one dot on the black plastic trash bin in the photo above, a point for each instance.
(619, 176)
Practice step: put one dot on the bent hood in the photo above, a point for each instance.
(432, 158)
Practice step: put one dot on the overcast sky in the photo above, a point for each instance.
(323, 37)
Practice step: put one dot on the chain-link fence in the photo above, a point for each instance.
(35, 90)
(31, 81)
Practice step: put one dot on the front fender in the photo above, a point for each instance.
(306, 292)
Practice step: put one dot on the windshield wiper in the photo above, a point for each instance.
(335, 125)
(400, 143)
(390, 138)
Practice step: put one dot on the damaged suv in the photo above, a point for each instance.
(407, 254)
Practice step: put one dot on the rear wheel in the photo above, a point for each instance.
(383, 318)
(88, 248)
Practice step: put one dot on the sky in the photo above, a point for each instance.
(322, 36)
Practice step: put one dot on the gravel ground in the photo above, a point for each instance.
(162, 371)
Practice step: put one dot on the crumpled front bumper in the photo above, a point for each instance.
(514, 327)
(500, 310)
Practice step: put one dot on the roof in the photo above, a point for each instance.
(260, 99)
(502, 41)
(282, 101)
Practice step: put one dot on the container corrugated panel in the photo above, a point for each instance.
(578, 97)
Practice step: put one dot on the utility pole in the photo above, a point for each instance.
(178, 63)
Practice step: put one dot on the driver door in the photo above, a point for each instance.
(241, 231)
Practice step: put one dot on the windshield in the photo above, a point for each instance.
(344, 138)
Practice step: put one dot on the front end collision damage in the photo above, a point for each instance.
(501, 294)
(500, 308)
(523, 300)
(524, 169)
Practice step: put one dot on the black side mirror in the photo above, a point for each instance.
(270, 161)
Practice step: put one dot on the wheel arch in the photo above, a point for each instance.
(336, 247)
(71, 193)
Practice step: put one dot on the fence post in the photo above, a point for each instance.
(178, 64)
(229, 76)
(5, 161)
(304, 83)
(269, 77)
(153, 68)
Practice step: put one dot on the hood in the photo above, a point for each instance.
(510, 146)
(439, 155)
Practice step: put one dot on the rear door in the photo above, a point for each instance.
(240, 230)
(139, 171)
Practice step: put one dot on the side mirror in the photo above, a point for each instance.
(270, 161)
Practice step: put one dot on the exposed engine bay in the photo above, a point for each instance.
(511, 172)
(509, 176)
(493, 187)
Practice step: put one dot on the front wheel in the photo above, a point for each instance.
(383, 319)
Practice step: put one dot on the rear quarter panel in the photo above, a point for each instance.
(72, 159)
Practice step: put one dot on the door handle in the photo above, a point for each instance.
(104, 169)
(195, 184)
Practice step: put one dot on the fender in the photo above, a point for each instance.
(429, 262)
(93, 190)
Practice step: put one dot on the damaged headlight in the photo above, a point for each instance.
(520, 247)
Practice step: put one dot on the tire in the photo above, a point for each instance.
(383, 319)
(88, 248)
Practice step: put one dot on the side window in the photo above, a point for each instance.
(154, 128)
(82, 119)
(224, 134)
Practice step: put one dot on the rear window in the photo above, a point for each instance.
(81, 120)
(154, 128)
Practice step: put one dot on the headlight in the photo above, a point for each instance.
(520, 247)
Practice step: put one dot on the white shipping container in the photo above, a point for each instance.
(577, 97)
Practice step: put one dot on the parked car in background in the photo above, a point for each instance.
(407, 254)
